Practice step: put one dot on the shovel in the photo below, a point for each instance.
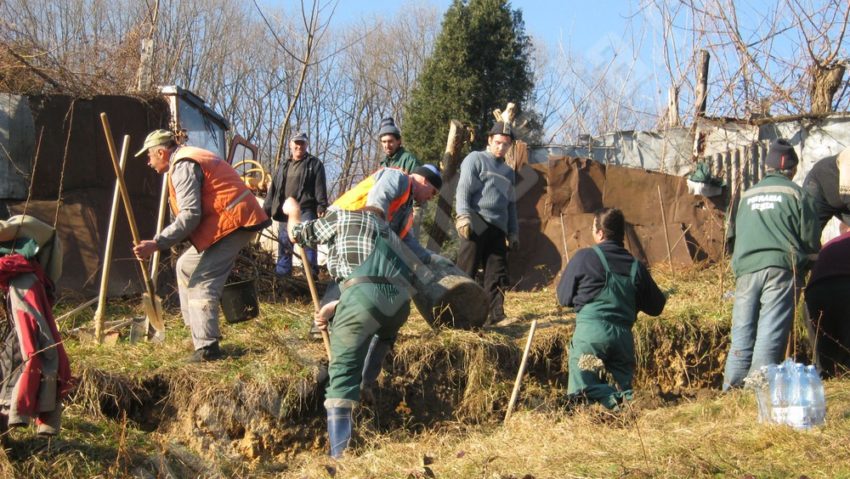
(150, 301)
(107, 254)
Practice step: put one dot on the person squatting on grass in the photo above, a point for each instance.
(775, 236)
(218, 214)
(486, 216)
(607, 287)
(376, 273)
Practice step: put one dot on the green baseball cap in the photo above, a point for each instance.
(156, 138)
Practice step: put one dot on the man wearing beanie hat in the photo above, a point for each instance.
(301, 176)
(829, 184)
(396, 156)
(775, 237)
(218, 214)
(486, 216)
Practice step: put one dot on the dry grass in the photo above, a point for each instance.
(279, 333)
(716, 437)
(240, 417)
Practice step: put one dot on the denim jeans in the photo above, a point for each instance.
(761, 321)
(284, 249)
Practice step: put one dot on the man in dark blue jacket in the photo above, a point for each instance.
(301, 176)
(607, 287)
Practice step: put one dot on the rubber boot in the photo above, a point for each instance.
(339, 430)
(378, 350)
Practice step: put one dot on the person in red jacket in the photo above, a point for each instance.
(829, 310)
(218, 214)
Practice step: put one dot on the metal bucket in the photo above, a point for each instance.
(239, 301)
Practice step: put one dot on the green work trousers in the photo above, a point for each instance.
(376, 303)
(604, 330)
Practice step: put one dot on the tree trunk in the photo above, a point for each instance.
(673, 107)
(701, 93)
(825, 83)
(449, 165)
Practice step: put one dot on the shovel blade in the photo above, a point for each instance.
(153, 311)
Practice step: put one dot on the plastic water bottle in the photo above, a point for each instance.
(799, 399)
(779, 395)
(816, 399)
(763, 393)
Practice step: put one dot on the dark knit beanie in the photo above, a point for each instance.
(501, 128)
(781, 156)
(430, 173)
(388, 128)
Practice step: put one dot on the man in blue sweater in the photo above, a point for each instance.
(607, 287)
(486, 216)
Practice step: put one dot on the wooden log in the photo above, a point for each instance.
(449, 166)
(701, 94)
(673, 107)
(452, 299)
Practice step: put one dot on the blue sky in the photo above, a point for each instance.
(581, 24)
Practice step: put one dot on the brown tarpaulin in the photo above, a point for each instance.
(87, 183)
(570, 190)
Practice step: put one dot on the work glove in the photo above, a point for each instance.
(513, 242)
(440, 260)
(464, 226)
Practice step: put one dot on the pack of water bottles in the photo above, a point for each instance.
(790, 393)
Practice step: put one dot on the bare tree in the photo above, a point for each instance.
(785, 55)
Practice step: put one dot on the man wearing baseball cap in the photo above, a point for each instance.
(775, 237)
(218, 214)
(301, 176)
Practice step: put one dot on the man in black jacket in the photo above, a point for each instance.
(828, 182)
(301, 176)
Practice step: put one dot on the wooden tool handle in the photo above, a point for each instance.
(308, 271)
(522, 365)
(125, 196)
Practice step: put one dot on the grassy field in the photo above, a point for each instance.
(140, 411)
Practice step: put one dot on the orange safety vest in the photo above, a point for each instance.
(226, 203)
(355, 199)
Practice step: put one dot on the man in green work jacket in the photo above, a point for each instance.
(607, 287)
(775, 236)
(396, 156)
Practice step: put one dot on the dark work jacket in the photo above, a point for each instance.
(584, 278)
(822, 184)
(311, 195)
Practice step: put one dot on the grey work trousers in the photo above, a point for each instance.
(200, 280)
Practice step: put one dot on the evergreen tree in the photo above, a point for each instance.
(480, 62)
